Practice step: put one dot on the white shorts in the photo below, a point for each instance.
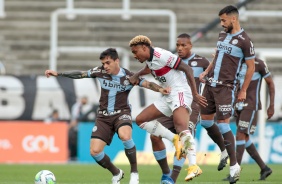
(168, 103)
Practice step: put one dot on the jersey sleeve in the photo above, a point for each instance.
(141, 80)
(93, 73)
(168, 59)
(248, 49)
(206, 63)
(263, 69)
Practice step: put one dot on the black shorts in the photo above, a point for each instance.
(107, 125)
(220, 100)
(246, 121)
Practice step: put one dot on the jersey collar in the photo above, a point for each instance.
(151, 54)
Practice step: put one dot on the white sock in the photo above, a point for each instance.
(233, 169)
(157, 129)
(192, 155)
(191, 152)
(223, 154)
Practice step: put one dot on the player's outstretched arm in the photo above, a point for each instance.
(69, 74)
(155, 87)
(135, 78)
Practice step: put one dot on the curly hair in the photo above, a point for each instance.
(140, 40)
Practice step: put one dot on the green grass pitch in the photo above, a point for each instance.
(149, 174)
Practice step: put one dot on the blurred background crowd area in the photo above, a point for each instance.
(25, 30)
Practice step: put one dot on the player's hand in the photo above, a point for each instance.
(241, 96)
(165, 91)
(134, 79)
(270, 112)
(49, 73)
(202, 77)
(201, 100)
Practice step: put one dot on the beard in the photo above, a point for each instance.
(228, 29)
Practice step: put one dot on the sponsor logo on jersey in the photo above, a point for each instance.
(95, 70)
(94, 129)
(225, 108)
(212, 80)
(125, 117)
(253, 129)
(234, 42)
(252, 49)
(244, 124)
(241, 37)
(126, 82)
(194, 63)
(168, 62)
(110, 84)
(224, 47)
(106, 113)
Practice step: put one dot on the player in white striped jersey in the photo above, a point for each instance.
(168, 69)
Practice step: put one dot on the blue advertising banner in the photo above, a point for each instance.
(272, 151)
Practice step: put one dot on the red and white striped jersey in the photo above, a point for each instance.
(163, 65)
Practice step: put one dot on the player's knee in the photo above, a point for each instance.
(138, 120)
(95, 151)
(155, 139)
(241, 136)
(124, 137)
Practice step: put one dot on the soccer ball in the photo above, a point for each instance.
(45, 177)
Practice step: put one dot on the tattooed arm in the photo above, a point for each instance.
(155, 87)
(70, 74)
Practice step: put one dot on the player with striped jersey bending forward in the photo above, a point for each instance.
(198, 64)
(168, 69)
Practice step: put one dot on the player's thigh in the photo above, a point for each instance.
(123, 125)
(210, 109)
(103, 129)
(148, 114)
(224, 98)
(96, 146)
(247, 121)
(181, 115)
(125, 132)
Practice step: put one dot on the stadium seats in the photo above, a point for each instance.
(25, 32)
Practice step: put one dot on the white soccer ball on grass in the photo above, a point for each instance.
(45, 177)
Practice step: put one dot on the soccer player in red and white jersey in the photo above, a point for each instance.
(233, 47)
(198, 64)
(168, 69)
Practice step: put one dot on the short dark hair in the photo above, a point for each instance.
(230, 9)
(110, 52)
(184, 35)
